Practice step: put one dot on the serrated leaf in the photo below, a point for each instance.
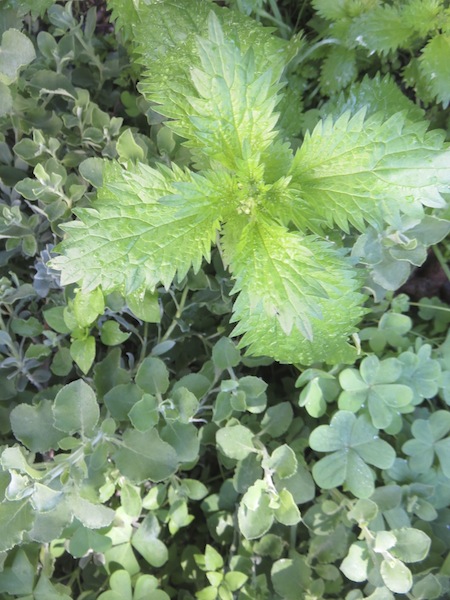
(183, 46)
(380, 30)
(144, 455)
(139, 246)
(369, 170)
(338, 70)
(435, 67)
(375, 95)
(75, 409)
(290, 302)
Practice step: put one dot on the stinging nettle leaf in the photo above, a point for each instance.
(435, 67)
(16, 51)
(139, 245)
(370, 170)
(290, 302)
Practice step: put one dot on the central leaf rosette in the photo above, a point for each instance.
(298, 296)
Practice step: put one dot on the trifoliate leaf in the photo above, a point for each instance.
(429, 440)
(435, 67)
(290, 303)
(375, 387)
(368, 171)
(132, 240)
(353, 443)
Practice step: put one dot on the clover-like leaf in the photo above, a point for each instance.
(353, 443)
(374, 386)
(429, 441)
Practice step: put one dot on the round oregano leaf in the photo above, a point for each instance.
(144, 455)
(75, 409)
(153, 376)
(396, 576)
(235, 442)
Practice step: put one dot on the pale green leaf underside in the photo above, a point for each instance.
(356, 171)
(131, 239)
(291, 288)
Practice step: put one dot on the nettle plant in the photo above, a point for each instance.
(283, 221)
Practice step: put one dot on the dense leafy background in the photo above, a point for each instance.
(143, 454)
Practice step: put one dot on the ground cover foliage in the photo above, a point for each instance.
(209, 386)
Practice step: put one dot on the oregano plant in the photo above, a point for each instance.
(283, 221)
